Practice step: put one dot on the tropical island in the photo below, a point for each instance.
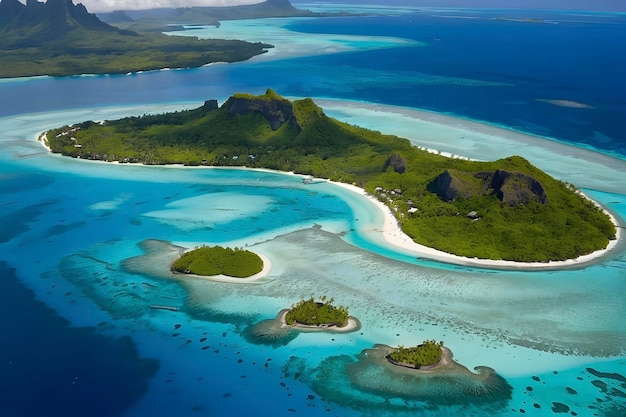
(501, 210)
(218, 260)
(58, 38)
(446, 382)
(423, 356)
(320, 313)
(310, 315)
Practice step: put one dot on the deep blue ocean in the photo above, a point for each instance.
(80, 338)
(582, 61)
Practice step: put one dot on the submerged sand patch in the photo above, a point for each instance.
(372, 382)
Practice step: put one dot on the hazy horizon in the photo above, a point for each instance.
(99, 6)
(600, 5)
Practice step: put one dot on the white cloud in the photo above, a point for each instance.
(94, 6)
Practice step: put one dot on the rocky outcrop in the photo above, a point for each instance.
(210, 105)
(512, 188)
(452, 184)
(275, 110)
(397, 162)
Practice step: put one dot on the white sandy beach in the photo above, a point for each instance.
(395, 236)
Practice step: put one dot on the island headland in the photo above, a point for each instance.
(501, 210)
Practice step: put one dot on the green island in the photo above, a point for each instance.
(218, 260)
(503, 210)
(426, 354)
(58, 38)
(320, 312)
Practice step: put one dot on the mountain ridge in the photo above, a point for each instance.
(162, 18)
(50, 20)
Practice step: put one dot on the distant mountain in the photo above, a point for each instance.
(158, 18)
(35, 22)
(118, 16)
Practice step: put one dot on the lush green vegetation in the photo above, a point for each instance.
(317, 313)
(317, 145)
(428, 353)
(86, 52)
(217, 260)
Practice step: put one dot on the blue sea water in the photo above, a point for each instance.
(68, 227)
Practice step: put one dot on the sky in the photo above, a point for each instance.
(601, 5)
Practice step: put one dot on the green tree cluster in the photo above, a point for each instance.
(218, 260)
(428, 353)
(317, 313)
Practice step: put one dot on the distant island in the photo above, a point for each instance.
(58, 38)
(170, 19)
(502, 210)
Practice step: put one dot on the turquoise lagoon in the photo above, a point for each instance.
(73, 233)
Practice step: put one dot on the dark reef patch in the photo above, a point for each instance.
(559, 408)
(270, 333)
(609, 375)
(206, 313)
(17, 222)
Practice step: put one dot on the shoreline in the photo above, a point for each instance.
(394, 235)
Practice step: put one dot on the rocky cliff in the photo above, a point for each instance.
(512, 188)
(276, 110)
